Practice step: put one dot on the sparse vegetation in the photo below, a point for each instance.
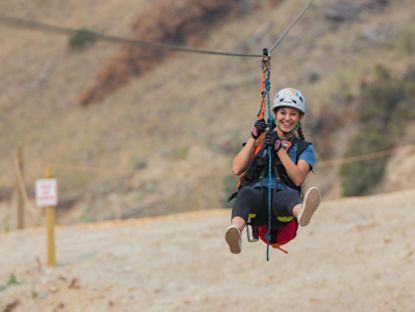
(73, 180)
(12, 281)
(385, 105)
(137, 161)
(179, 152)
(6, 225)
(404, 39)
(82, 38)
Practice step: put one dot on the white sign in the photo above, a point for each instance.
(46, 192)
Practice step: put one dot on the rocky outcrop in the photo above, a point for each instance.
(178, 22)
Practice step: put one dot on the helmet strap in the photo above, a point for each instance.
(297, 126)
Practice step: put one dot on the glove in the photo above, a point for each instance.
(272, 139)
(286, 145)
(273, 124)
(258, 128)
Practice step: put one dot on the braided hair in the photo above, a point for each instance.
(300, 132)
(302, 137)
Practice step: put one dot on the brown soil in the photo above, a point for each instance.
(356, 255)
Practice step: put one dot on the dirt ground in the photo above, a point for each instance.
(356, 255)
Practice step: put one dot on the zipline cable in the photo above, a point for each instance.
(291, 26)
(34, 25)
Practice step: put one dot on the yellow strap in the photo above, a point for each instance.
(285, 219)
(282, 219)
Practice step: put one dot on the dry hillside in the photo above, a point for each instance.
(163, 142)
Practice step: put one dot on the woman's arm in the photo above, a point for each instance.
(297, 173)
(242, 159)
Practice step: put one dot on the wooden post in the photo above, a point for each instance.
(20, 200)
(50, 226)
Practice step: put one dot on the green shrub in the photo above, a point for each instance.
(385, 105)
(404, 39)
(12, 281)
(138, 162)
(359, 177)
(73, 180)
(81, 38)
(179, 152)
(6, 225)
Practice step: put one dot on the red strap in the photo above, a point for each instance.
(277, 246)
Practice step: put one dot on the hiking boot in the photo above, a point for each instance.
(233, 238)
(310, 205)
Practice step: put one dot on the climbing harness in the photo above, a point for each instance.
(256, 171)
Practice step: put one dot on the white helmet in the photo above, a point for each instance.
(289, 97)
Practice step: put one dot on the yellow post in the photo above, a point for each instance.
(20, 201)
(50, 226)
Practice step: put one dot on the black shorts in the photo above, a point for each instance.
(255, 200)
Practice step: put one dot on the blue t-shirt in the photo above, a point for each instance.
(308, 155)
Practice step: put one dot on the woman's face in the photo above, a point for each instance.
(287, 119)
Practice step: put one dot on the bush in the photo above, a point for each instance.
(179, 152)
(73, 180)
(360, 177)
(12, 281)
(403, 40)
(81, 38)
(385, 105)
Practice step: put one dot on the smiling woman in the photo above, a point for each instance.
(292, 158)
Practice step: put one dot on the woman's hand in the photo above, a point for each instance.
(272, 140)
(259, 128)
(297, 172)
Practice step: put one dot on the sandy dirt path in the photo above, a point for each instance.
(358, 254)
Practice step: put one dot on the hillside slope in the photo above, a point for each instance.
(163, 143)
(357, 255)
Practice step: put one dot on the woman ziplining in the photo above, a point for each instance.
(275, 163)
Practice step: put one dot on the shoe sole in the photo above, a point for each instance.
(233, 237)
(311, 203)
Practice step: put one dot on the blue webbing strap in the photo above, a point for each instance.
(269, 148)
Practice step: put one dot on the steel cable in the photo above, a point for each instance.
(34, 25)
(278, 41)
